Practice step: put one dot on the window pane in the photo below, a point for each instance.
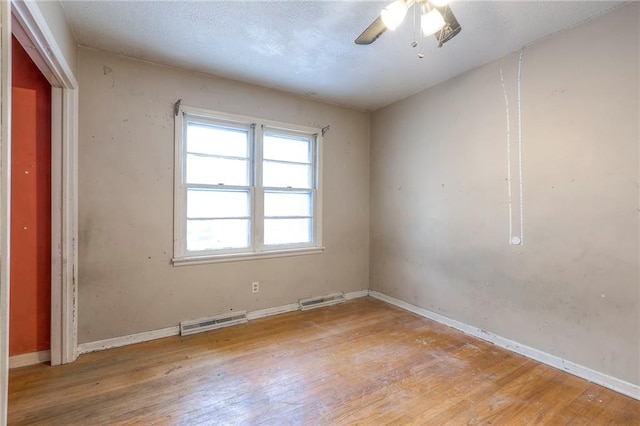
(285, 175)
(287, 204)
(285, 148)
(212, 170)
(287, 231)
(212, 203)
(217, 234)
(209, 139)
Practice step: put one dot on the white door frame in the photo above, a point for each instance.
(33, 32)
(5, 197)
(31, 29)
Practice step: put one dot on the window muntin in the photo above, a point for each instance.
(287, 148)
(207, 203)
(286, 175)
(287, 231)
(244, 186)
(218, 219)
(217, 154)
(288, 217)
(287, 161)
(217, 140)
(287, 169)
(217, 171)
(279, 204)
(207, 235)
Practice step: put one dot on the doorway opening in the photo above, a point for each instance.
(30, 278)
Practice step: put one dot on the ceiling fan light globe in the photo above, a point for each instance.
(394, 14)
(431, 22)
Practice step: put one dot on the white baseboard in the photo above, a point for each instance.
(356, 294)
(581, 371)
(261, 313)
(116, 342)
(146, 336)
(29, 359)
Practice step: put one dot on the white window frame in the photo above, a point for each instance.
(256, 248)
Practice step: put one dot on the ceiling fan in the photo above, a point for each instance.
(436, 18)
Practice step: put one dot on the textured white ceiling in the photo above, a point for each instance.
(307, 47)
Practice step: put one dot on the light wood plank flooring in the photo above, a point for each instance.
(361, 362)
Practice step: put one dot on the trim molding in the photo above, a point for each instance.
(32, 358)
(615, 384)
(5, 200)
(262, 313)
(356, 294)
(66, 191)
(130, 339)
(32, 30)
(238, 257)
(146, 336)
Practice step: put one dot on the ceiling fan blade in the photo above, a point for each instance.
(451, 27)
(372, 32)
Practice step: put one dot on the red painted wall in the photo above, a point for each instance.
(30, 309)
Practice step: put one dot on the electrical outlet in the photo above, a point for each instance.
(255, 287)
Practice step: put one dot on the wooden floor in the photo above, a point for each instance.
(362, 362)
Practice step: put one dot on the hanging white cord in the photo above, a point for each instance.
(520, 146)
(506, 103)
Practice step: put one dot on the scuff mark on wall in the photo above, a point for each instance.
(107, 70)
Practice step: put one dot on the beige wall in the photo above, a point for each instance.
(126, 281)
(439, 213)
(438, 208)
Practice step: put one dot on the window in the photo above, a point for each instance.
(244, 188)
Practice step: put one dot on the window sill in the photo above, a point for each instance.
(237, 257)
